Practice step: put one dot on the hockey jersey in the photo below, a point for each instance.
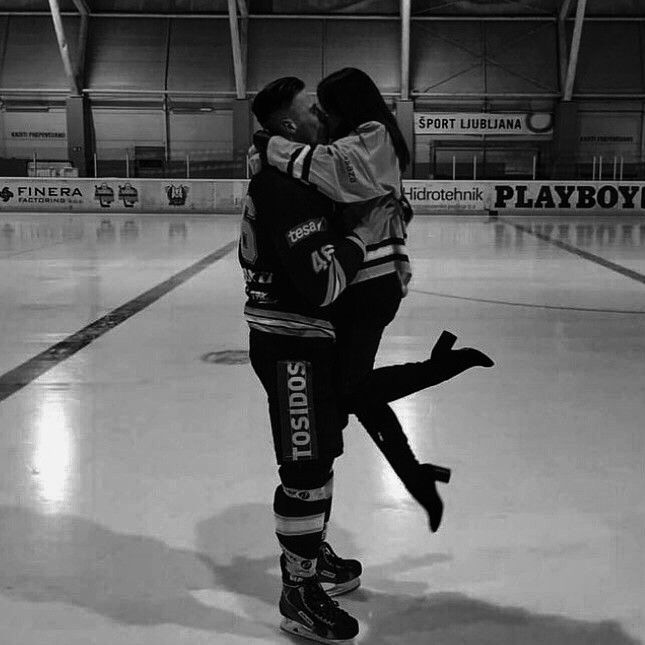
(362, 172)
(294, 264)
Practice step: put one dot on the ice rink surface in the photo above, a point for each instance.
(137, 473)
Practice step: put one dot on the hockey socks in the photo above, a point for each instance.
(301, 507)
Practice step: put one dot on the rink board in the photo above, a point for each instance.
(226, 195)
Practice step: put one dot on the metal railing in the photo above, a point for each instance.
(617, 172)
(212, 164)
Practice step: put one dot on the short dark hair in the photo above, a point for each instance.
(275, 96)
(353, 96)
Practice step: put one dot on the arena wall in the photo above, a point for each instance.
(169, 83)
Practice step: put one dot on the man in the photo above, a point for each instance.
(293, 266)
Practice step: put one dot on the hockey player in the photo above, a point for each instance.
(362, 170)
(295, 267)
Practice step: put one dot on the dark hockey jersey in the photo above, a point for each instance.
(294, 265)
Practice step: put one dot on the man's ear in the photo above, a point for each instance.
(288, 126)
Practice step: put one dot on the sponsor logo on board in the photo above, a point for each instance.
(43, 194)
(129, 195)
(177, 195)
(104, 195)
(569, 196)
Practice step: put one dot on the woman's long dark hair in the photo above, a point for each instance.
(351, 95)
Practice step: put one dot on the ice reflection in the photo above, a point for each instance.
(599, 235)
(393, 489)
(407, 410)
(54, 449)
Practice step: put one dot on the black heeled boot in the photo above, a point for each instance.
(419, 479)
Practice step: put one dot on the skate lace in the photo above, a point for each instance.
(320, 604)
(327, 552)
(329, 556)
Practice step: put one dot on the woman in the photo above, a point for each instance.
(361, 170)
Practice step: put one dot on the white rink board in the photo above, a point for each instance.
(527, 197)
(226, 196)
(121, 195)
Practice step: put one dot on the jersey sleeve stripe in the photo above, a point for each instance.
(385, 251)
(390, 258)
(385, 242)
(299, 162)
(292, 160)
(306, 165)
(398, 265)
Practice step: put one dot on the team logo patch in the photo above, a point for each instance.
(295, 395)
(303, 231)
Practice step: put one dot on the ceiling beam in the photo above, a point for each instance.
(243, 7)
(236, 48)
(564, 9)
(575, 49)
(84, 9)
(82, 6)
(244, 37)
(405, 49)
(562, 41)
(82, 45)
(63, 48)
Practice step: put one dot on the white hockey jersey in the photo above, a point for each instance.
(362, 172)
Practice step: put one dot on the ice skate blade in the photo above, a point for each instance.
(298, 629)
(344, 587)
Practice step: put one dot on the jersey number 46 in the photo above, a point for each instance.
(321, 259)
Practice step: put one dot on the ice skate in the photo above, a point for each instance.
(337, 575)
(310, 613)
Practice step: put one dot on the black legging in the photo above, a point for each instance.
(361, 315)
